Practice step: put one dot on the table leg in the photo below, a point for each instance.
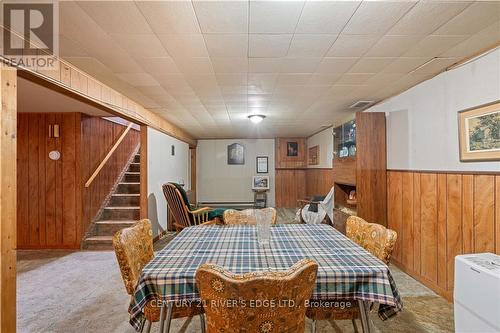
(162, 317)
(365, 320)
(170, 310)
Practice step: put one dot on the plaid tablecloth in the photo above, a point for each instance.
(345, 270)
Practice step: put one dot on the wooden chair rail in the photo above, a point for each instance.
(108, 155)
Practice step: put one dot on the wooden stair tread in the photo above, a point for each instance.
(122, 207)
(125, 194)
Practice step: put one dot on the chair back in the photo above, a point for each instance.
(373, 237)
(176, 205)
(246, 216)
(258, 301)
(133, 249)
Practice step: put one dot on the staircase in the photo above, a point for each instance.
(120, 211)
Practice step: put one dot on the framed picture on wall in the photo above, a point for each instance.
(292, 148)
(262, 164)
(260, 183)
(479, 133)
(236, 154)
(313, 155)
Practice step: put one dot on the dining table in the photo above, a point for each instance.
(346, 271)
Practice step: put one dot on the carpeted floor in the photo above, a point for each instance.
(62, 291)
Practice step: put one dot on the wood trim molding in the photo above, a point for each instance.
(108, 155)
(8, 198)
(144, 172)
(493, 173)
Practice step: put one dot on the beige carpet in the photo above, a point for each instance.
(61, 291)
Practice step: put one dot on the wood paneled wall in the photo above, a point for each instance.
(98, 136)
(290, 187)
(48, 200)
(290, 162)
(438, 216)
(318, 181)
(54, 209)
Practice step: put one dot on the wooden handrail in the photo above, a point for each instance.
(108, 155)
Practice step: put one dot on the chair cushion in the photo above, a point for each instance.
(183, 194)
(216, 212)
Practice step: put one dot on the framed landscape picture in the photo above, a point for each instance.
(235, 154)
(479, 133)
(260, 183)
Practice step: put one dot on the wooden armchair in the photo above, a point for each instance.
(243, 302)
(376, 239)
(182, 211)
(134, 249)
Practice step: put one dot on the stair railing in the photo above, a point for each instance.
(108, 155)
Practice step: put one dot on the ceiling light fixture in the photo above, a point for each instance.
(256, 118)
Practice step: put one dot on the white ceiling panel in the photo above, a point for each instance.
(206, 65)
(352, 45)
(328, 17)
(168, 17)
(222, 16)
(274, 16)
(310, 45)
(269, 45)
(227, 45)
(376, 17)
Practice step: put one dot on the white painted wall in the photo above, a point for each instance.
(422, 122)
(162, 168)
(220, 182)
(325, 141)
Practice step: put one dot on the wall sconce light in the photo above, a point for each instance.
(54, 131)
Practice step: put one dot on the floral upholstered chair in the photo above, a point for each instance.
(246, 217)
(376, 239)
(261, 302)
(134, 249)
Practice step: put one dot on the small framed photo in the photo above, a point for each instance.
(479, 133)
(260, 183)
(235, 154)
(292, 148)
(262, 164)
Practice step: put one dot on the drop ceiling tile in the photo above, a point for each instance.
(140, 45)
(138, 79)
(264, 65)
(222, 16)
(393, 46)
(474, 18)
(376, 17)
(325, 16)
(119, 61)
(198, 65)
(322, 79)
(130, 20)
(227, 45)
(484, 39)
(404, 65)
(274, 16)
(434, 45)
(262, 82)
(299, 65)
(355, 79)
(370, 65)
(351, 45)
(167, 17)
(435, 66)
(238, 79)
(158, 65)
(336, 64)
(427, 16)
(310, 45)
(230, 65)
(383, 79)
(67, 48)
(185, 45)
(269, 45)
(294, 79)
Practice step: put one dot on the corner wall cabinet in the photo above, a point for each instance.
(359, 168)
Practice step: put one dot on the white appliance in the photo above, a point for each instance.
(477, 293)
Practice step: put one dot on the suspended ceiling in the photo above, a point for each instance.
(206, 66)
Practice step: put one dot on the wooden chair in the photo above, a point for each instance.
(376, 239)
(134, 249)
(184, 215)
(245, 217)
(238, 302)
